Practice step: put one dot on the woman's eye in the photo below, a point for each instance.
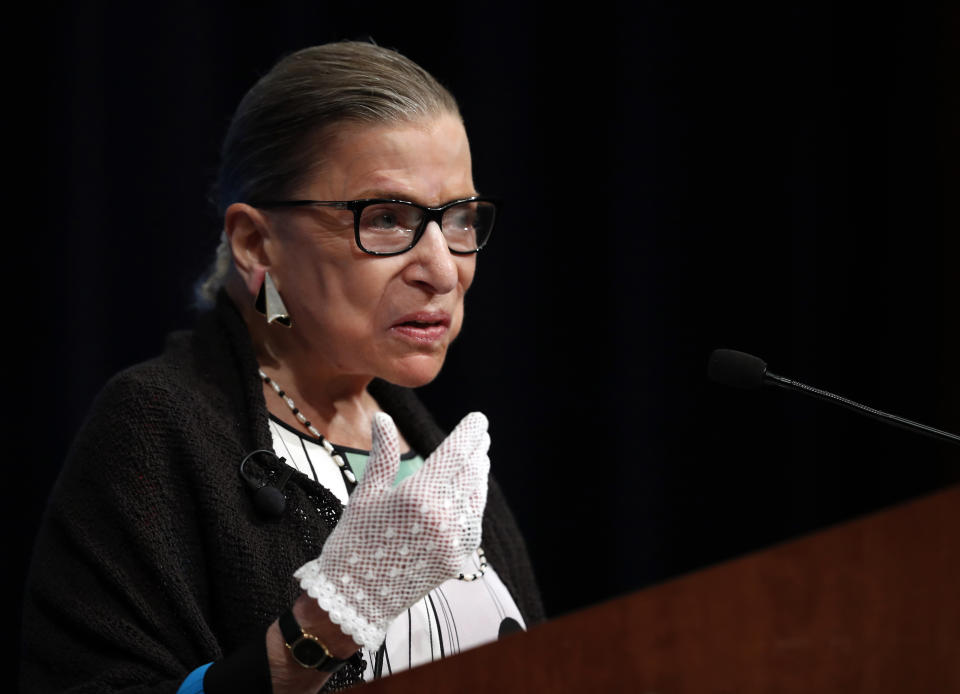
(462, 220)
(390, 218)
(384, 220)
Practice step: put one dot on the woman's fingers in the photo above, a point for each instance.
(457, 481)
(434, 480)
(381, 470)
(448, 493)
(457, 447)
(470, 482)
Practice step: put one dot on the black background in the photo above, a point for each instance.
(778, 177)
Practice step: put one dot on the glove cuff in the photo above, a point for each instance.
(335, 604)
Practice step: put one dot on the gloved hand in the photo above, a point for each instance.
(393, 545)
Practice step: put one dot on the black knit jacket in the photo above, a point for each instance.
(152, 560)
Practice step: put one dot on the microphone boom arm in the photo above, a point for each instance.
(879, 415)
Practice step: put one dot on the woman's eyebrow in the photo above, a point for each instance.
(385, 194)
(405, 196)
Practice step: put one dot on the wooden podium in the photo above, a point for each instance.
(868, 606)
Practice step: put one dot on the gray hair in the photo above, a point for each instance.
(277, 134)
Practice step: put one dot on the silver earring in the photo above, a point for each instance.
(270, 304)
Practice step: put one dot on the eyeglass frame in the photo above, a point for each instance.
(430, 214)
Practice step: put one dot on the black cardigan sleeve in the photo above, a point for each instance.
(115, 598)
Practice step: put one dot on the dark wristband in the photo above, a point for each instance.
(244, 670)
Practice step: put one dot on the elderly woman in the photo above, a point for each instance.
(267, 506)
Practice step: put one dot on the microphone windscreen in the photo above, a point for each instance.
(270, 501)
(737, 369)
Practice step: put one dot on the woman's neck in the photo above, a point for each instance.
(344, 419)
(337, 405)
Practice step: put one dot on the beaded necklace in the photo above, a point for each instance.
(338, 458)
(344, 466)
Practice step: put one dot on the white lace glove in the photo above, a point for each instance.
(394, 545)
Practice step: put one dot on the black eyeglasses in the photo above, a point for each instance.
(392, 227)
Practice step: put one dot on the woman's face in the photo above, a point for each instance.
(391, 317)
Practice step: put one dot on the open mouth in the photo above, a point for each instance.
(423, 327)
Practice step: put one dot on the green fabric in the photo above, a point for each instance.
(408, 466)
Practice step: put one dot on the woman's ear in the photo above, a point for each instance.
(246, 230)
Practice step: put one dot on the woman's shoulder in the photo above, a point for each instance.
(162, 384)
(179, 395)
(208, 364)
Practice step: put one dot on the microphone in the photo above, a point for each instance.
(267, 499)
(742, 370)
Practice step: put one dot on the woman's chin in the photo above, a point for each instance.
(414, 371)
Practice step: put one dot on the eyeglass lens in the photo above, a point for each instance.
(389, 227)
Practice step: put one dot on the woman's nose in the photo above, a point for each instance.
(434, 264)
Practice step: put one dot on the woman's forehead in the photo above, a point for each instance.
(426, 161)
